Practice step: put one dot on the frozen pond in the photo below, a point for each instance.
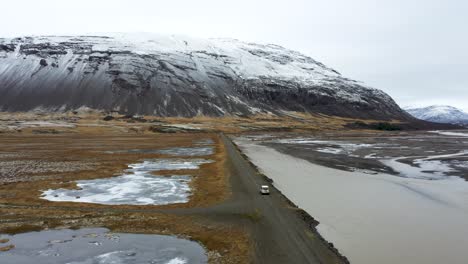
(138, 186)
(99, 246)
(375, 218)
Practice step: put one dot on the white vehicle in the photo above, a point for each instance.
(265, 189)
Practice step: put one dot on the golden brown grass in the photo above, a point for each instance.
(230, 241)
(7, 248)
(22, 209)
(209, 183)
(93, 123)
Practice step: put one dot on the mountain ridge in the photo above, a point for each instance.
(440, 114)
(177, 76)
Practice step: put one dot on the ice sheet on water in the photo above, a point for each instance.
(167, 164)
(98, 246)
(136, 187)
(132, 189)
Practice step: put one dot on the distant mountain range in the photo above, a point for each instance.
(177, 76)
(440, 114)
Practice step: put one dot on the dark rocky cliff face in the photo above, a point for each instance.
(177, 76)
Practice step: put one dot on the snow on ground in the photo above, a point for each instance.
(34, 124)
(449, 133)
(252, 59)
(330, 150)
(461, 164)
(371, 156)
(184, 126)
(45, 124)
(168, 164)
(429, 168)
(138, 186)
(177, 261)
(439, 114)
(336, 147)
(242, 59)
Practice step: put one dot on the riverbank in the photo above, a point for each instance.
(373, 217)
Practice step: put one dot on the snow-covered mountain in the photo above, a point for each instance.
(439, 114)
(177, 76)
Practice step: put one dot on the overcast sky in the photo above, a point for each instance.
(415, 50)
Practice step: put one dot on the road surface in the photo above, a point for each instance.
(280, 235)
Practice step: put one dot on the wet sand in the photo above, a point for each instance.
(374, 218)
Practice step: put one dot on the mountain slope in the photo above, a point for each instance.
(440, 114)
(177, 76)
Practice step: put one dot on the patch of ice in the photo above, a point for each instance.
(177, 260)
(137, 187)
(330, 150)
(300, 141)
(239, 101)
(26, 124)
(461, 164)
(447, 133)
(33, 247)
(167, 164)
(428, 168)
(132, 189)
(363, 171)
(337, 146)
(445, 155)
(184, 126)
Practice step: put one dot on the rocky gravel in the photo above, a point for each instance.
(22, 170)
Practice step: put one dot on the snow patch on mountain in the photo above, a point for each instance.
(177, 76)
(439, 114)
